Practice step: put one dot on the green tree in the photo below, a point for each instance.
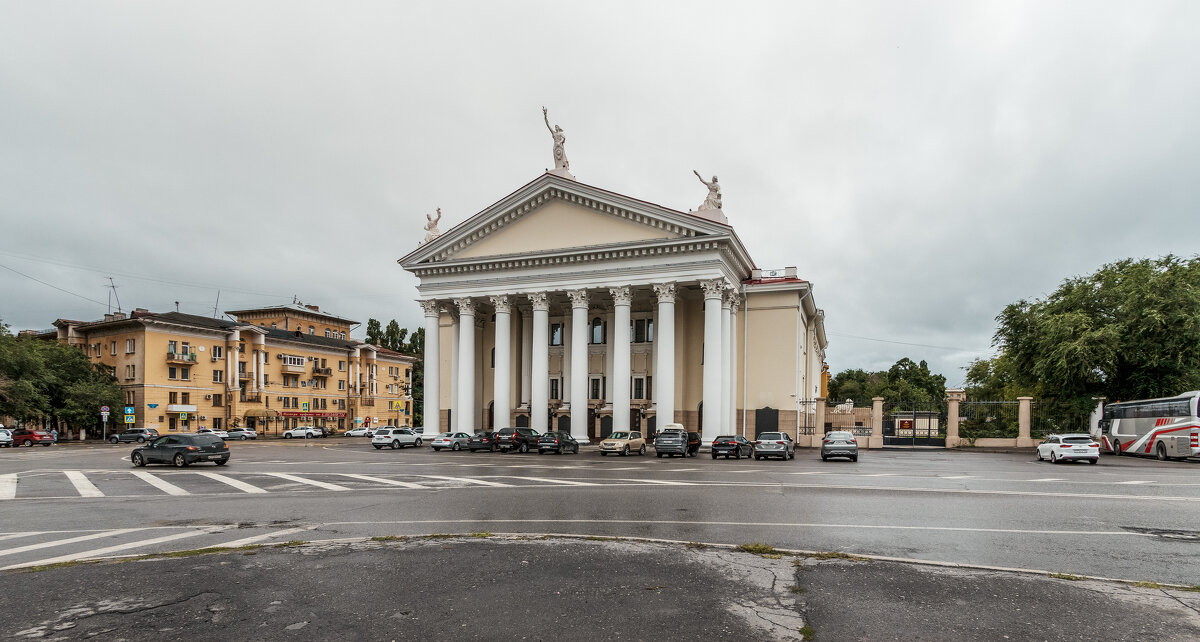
(906, 382)
(1128, 331)
(374, 333)
(53, 383)
(393, 337)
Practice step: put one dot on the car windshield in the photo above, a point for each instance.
(771, 436)
(1077, 440)
(726, 438)
(444, 435)
(839, 435)
(619, 435)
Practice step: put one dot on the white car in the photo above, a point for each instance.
(241, 433)
(358, 432)
(453, 441)
(5, 438)
(213, 431)
(302, 432)
(394, 438)
(1070, 447)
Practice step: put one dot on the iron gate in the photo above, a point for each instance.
(915, 425)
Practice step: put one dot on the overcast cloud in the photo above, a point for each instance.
(924, 164)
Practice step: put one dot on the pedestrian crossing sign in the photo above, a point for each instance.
(129, 419)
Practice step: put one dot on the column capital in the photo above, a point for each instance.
(432, 307)
(733, 298)
(540, 301)
(665, 292)
(466, 306)
(502, 303)
(579, 298)
(622, 295)
(713, 288)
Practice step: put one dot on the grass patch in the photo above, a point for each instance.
(759, 549)
(482, 534)
(49, 567)
(1148, 585)
(807, 632)
(1065, 576)
(389, 538)
(1192, 589)
(441, 536)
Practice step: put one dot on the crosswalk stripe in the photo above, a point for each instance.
(469, 480)
(1136, 482)
(663, 482)
(8, 486)
(110, 549)
(556, 482)
(1047, 479)
(959, 477)
(238, 484)
(246, 541)
(83, 486)
(381, 480)
(16, 535)
(305, 480)
(161, 484)
(69, 540)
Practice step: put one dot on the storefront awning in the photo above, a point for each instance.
(261, 412)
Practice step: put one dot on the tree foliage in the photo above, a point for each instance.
(1128, 331)
(53, 384)
(906, 382)
(393, 337)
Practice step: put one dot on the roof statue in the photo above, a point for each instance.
(713, 200)
(431, 226)
(562, 166)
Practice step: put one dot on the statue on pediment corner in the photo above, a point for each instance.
(560, 144)
(431, 226)
(713, 200)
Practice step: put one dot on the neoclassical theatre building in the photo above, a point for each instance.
(567, 306)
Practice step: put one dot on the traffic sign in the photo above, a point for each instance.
(129, 419)
(182, 416)
(129, 410)
(104, 417)
(104, 409)
(304, 406)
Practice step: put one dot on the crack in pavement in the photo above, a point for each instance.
(71, 617)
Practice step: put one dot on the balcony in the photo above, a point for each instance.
(289, 367)
(252, 397)
(368, 402)
(181, 357)
(322, 372)
(243, 375)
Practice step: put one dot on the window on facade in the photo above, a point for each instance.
(597, 331)
(341, 404)
(113, 348)
(556, 334)
(639, 388)
(185, 373)
(341, 366)
(555, 392)
(173, 397)
(218, 376)
(327, 333)
(218, 351)
(172, 372)
(217, 401)
(287, 402)
(185, 398)
(171, 424)
(290, 360)
(597, 392)
(639, 330)
(217, 423)
(130, 346)
(185, 348)
(173, 347)
(295, 402)
(341, 384)
(312, 330)
(266, 379)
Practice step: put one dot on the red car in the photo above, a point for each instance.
(31, 437)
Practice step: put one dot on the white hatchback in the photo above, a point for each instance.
(1071, 447)
(394, 438)
(5, 438)
(358, 432)
(303, 432)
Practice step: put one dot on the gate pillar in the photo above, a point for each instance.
(876, 438)
(1024, 422)
(953, 397)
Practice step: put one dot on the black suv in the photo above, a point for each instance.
(557, 442)
(140, 435)
(521, 440)
(482, 441)
(182, 449)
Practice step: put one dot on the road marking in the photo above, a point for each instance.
(305, 480)
(556, 482)
(1135, 482)
(246, 541)
(879, 475)
(27, 534)
(1048, 479)
(69, 540)
(809, 472)
(8, 486)
(469, 480)
(959, 477)
(83, 486)
(112, 549)
(663, 482)
(628, 468)
(381, 480)
(163, 485)
(240, 485)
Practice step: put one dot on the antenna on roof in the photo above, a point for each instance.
(217, 303)
(177, 306)
(113, 295)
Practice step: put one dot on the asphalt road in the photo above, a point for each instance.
(1133, 519)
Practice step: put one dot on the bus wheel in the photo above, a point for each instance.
(1116, 448)
(1161, 451)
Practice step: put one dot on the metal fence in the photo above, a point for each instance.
(988, 419)
(1049, 416)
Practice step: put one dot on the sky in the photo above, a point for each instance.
(924, 164)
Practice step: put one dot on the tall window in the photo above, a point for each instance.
(130, 345)
(185, 398)
(327, 333)
(173, 347)
(597, 331)
(218, 351)
(113, 348)
(556, 334)
(555, 391)
(218, 376)
(173, 397)
(312, 330)
(172, 372)
(217, 401)
(185, 373)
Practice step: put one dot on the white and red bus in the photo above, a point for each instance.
(1167, 428)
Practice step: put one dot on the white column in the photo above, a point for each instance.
(579, 364)
(622, 297)
(608, 359)
(713, 293)
(432, 401)
(565, 390)
(231, 361)
(454, 368)
(526, 354)
(502, 385)
(358, 371)
(732, 366)
(539, 398)
(726, 362)
(261, 340)
(466, 365)
(664, 339)
(254, 359)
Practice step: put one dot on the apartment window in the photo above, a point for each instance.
(341, 384)
(312, 330)
(290, 360)
(173, 397)
(341, 366)
(266, 379)
(173, 347)
(327, 333)
(216, 423)
(597, 386)
(185, 398)
(597, 331)
(643, 330)
(218, 376)
(113, 348)
(185, 373)
(172, 372)
(171, 425)
(323, 363)
(341, 404)
(218, 351)
(185, 348)
(556, 334)
(295, 402)
(129, 371)
(217, 401)
(130, 345)
(287, 402)
(322, 383)
(129, 397)
(323, 402)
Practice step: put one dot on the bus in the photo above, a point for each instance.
(1166, 428)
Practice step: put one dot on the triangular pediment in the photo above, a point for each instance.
(552, 214)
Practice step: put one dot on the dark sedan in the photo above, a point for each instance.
(140, 435)
(557, 442)
(181, 450)
(730, 445)
(483, 441)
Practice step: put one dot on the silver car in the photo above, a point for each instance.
(774, 444)
(839, 444)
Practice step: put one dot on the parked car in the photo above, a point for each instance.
(623, 443)
(1069, 447)
(839, 443)
(302, 432)
(357, 432)
(557, 442)
(774, 444)
(671, 440)
(483, 441)
(693, 444)
(213, 431)
(521, 440)
(242, 434)
(31, 437)
(731, 445)
(394, 438)
(452, 440)
(5, 438)
(140, 435)
(182, 449)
